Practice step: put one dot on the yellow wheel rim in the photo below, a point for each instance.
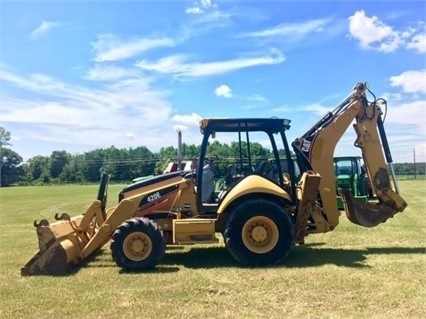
(137, 246)
(260, 234)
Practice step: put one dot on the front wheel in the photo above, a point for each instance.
(137, 244)
(258, 232)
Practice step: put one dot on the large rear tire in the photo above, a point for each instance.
(258, 232)
(137, 244)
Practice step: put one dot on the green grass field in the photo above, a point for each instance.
(352, 272)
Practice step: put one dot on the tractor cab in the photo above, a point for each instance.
(256, 146)
(351, 175)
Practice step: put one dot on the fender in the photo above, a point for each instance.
(250, 185)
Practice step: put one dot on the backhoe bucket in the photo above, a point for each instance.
(61, 244)
(365, 214)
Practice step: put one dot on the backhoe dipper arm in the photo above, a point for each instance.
(315, 151)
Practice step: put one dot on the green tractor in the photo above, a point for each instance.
(350, 174)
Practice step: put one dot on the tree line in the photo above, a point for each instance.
(123, 165)
(62, 167)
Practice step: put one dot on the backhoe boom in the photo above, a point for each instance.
(315, 151)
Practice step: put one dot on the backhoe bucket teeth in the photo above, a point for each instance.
(365, 214)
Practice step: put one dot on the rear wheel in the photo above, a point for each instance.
(258, 232)
(137, 244)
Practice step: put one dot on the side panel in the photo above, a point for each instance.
(166, 192)
(250, 185)
(155, 182)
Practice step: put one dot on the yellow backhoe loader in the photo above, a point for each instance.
(264, 205)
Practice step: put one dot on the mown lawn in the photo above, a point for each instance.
(352, 272)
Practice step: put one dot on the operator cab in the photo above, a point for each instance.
(252, 146)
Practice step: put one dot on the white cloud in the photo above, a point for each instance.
(207, 3)
(420, 151)
(68, 114)
(127, 112)
(418, 43)
(223, 91)
(177, 65)
(188, 119)
(255, 101)
(42, 29)
(101, 72)
(316, 108)
(109, 47)
(257, 98)
(291, 29)
(212, 19)
(200, 7)
(408, 123)
(373, 33)
(413, 113)
(170, 64)
(410, 81)
(207, 16)
(194, 10)
(35, 112)
(282, 109)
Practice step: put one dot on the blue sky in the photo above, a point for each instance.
(81, 75)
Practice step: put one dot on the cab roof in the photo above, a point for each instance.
(271, 125)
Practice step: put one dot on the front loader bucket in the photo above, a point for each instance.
(62, 244)
(365, 214)
(51, 261)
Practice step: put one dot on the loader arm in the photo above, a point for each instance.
(69, 241)
(315, 151)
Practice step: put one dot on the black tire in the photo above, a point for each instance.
(137, 244)
(258, 232)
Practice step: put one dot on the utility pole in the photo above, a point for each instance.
(179, 149)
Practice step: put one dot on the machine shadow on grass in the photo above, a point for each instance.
(309, 255)
(299, 257)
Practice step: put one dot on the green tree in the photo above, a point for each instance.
(94, 165)
(10, 167)
(72, 172)
(37, 168)
(57, 162)
(166, 155)
(189, 152)
(141, 162)
(4, 137)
